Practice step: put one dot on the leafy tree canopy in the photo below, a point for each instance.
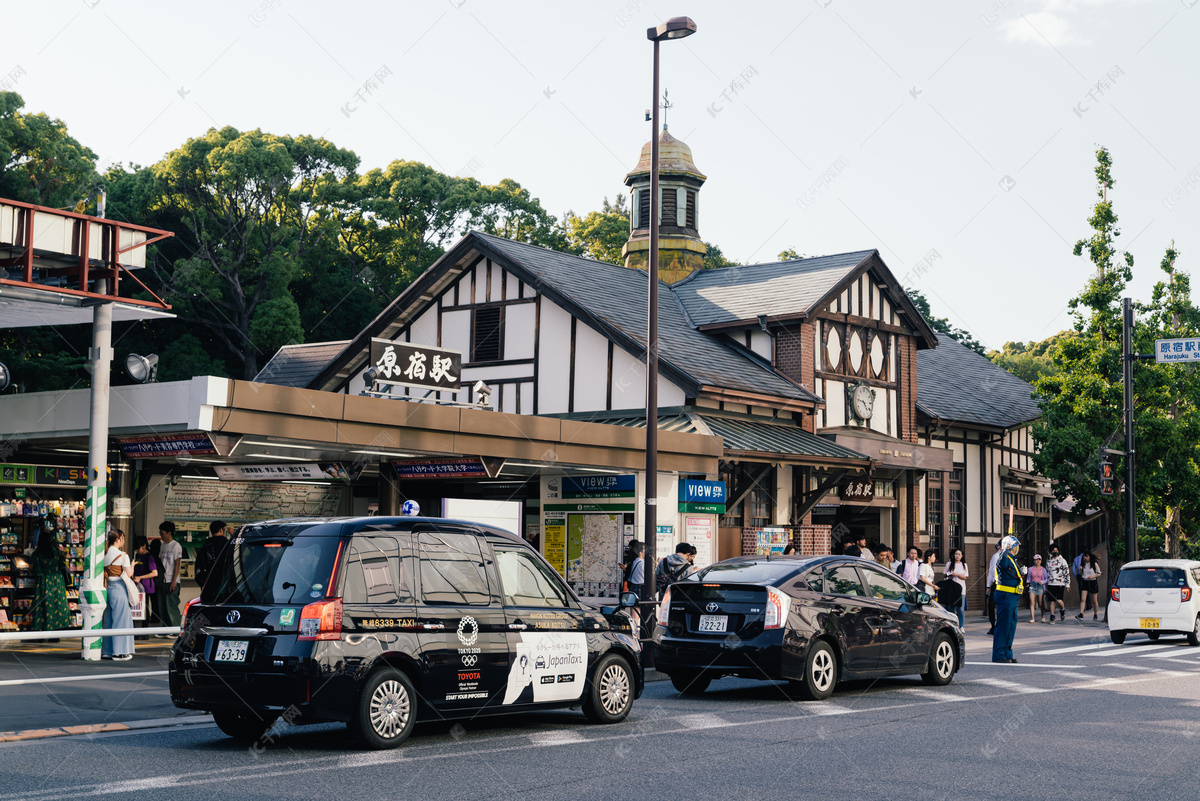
(943, 325)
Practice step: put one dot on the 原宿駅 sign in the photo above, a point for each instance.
(415, 365)
(1177, 350)
(857, 489)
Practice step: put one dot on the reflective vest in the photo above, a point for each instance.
(1000, 586)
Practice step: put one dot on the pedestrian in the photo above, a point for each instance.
(170, 555)
(925, 574)
(1056, 587)
(883, 555)
(863, 550)
(956, 569)
(910, 568)
(635, 573)
(116, 613)
(989, 588)
(145, 571)
(1007, 586)
(897, 564)
(51, 610)
(1089, 574)
(1039, 577)
(789, 549)
(209, 552)
(673, 567)
(850, 548)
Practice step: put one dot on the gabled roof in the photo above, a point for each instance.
(608, 297)
(957, 385)
(732, 297)
(297, 365)
(782, 288)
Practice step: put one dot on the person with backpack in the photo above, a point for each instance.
(635, 568)
(674, 567)
(206, 559)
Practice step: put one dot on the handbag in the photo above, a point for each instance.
(131, 588)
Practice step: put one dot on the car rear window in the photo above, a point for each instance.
(1149, 577)
(272, 571)
(751, 572)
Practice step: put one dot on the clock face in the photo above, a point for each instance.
(864, 402)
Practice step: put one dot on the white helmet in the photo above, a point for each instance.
(1009, 542)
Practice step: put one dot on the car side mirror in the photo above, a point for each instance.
(924, 598)
(629, 599)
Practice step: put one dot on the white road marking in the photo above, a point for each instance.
(561, 737)
(825, 708)
(702, 721)
(97, 677)
(936, 695)
(1074, 648)
(1124, 650)
(1011, 685)
(1015, 664)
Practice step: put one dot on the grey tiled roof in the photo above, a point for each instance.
(956, 384)
(617, 295)
(297, 365)
(777, 289)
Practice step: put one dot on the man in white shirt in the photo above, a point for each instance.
(989, 589)
(169, 557)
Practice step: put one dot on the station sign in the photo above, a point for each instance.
(166, 445)
(280, 472)
(1171, 351)
(419, 366)
(441, 468)
(857, 489)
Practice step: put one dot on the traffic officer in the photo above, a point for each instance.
(1008, 586)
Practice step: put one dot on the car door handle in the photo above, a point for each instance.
(517, 626)
(433, 626)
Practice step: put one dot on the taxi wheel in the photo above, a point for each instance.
(1153, 635)
(1117, 637)
(386, 711)
(243, 725)
(610, 694)
(941, 662)
(1194, 637)
(820, 673)
(690, 683)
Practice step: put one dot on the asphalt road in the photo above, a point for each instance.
(1076, 718)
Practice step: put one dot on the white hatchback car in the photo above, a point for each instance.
(1156, 596)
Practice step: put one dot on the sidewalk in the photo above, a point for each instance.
(48, 690)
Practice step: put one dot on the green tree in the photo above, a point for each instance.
(509, 210)
(714, 258)
(943, 325)
(251, 207)
(601, 234)
(1028, 361)
(790, 254)
(39, 161)
(1081, 403)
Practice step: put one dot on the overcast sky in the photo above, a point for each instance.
(957, 138)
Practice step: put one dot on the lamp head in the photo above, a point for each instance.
(142, 369)
(5, 377)
(674, 28)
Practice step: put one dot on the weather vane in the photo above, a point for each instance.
(666, 106)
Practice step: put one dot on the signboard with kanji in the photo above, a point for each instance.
(1177, 350)
(857, 489)
(415, 365)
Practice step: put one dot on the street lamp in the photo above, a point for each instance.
(674, 28)
(142, 369)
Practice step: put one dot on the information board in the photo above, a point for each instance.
(246, 501)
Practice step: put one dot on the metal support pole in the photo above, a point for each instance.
(93, 594)
(1127, 359)
(651, 509)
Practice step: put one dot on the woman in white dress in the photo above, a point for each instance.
(956, 569)
(116, 613)
(925, 574)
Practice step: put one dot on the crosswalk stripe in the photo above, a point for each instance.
(1136, 650)
(701, 721)
(1074, 648)
(825, 708)
(1011, 685)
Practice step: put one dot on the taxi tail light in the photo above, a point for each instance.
(187, 608)
(321, 621)
(778, 605)
(1185, 594)
(664, 608)
(1115, 592)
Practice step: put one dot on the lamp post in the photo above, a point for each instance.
(674, 28)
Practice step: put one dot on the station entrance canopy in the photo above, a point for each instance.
(52, 262)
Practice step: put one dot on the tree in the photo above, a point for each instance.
(790, 254)
(251, 208)
(509, 210)
(943, 325)
(1081, 403)
(39, 161)
(1028, 361)
(601, 234)
(714, 258)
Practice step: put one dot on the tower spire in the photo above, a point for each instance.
(666, 106)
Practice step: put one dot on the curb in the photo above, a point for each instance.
(97, 728)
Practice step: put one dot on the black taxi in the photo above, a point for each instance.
(379, 621)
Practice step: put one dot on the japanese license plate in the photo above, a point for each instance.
(231, 651)
(1150, 623)
(714, 622)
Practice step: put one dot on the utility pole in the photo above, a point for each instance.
(1127, 359)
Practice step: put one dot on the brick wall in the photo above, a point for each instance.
(794, 359)
(908, 387)
(809, 540)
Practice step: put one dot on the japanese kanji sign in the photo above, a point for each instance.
(857, 489)
(415, 365)
(1177, 350)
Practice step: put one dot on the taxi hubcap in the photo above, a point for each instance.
(822, 670)
(390, 709)
(614, 689)
(945, 659)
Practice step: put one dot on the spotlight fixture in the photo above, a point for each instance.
(142, 369)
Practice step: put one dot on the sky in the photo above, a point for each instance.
(957, 138)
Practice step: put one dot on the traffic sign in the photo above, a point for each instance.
(1177, 350)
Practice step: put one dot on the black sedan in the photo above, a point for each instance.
(810, 620)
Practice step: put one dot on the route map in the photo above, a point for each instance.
(246, 501)
(593, 545)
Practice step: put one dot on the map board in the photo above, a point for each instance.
(246, 501)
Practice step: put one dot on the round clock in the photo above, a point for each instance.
(863, 401)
